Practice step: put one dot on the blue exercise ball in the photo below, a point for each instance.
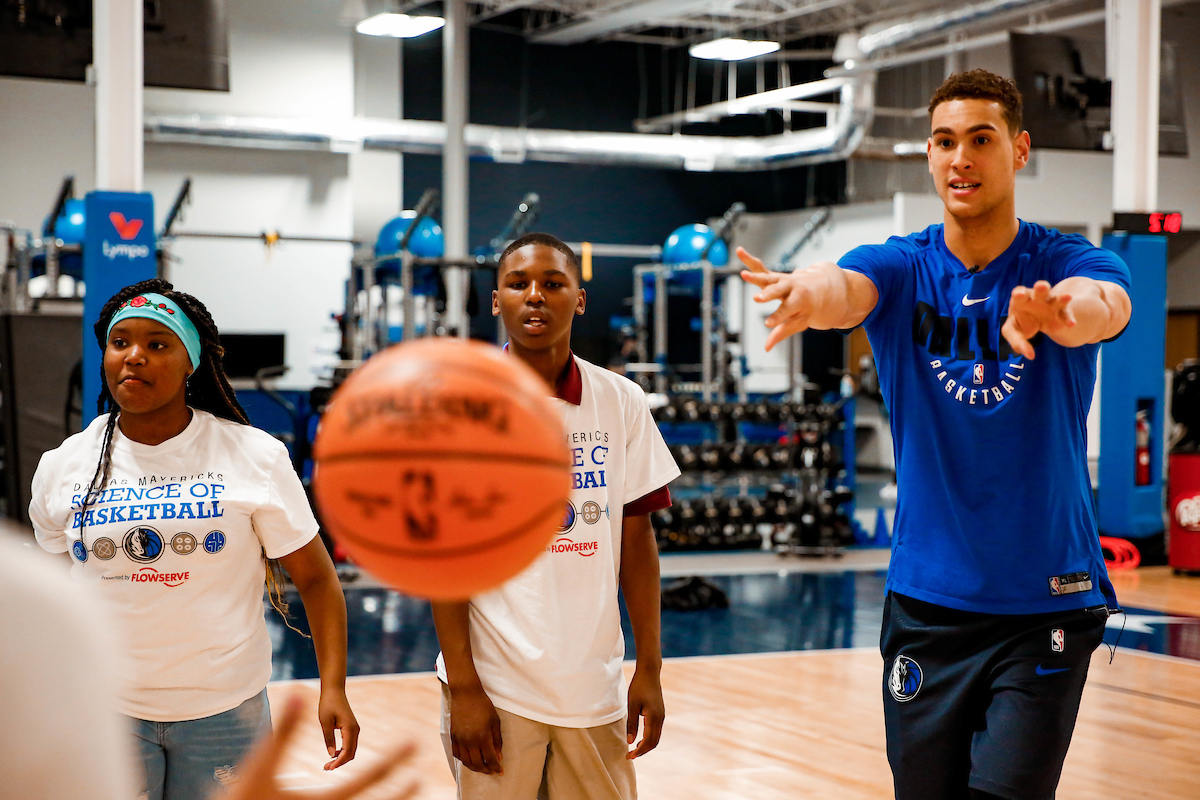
(686, 243)
(70, 225)
(426, 242)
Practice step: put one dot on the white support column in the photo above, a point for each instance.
(117, 55)
(455, 93)
(1133, 33)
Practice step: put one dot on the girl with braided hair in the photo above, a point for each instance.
(180, 511)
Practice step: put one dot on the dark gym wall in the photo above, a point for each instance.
(597, 87)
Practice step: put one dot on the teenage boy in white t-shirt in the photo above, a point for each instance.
(534, 702)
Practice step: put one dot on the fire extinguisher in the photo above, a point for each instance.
(1142, 449)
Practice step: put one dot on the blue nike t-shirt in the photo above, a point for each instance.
(995, 511)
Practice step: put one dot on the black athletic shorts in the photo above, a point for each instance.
(981, 701)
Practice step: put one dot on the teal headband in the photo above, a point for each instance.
(164, 310)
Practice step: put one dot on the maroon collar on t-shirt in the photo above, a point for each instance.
(570, 383)
(569, 386)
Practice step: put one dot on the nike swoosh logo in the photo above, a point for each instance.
(968, 302)
(1043, 671)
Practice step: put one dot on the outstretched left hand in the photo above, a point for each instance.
(645, 700)
(334, 713)
(1034, 311)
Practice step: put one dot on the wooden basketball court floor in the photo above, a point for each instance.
(809, 724)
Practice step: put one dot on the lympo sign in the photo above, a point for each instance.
(118, 250)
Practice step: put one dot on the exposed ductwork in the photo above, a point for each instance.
(944, 23)
(848, 123)
(848, 126)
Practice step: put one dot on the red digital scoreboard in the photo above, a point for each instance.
(1157, 222)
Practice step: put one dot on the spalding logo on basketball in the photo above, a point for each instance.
(1187, 512)
(905, 680)
(442, 467)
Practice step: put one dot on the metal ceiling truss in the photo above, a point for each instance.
(685, 21)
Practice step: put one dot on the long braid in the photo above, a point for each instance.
(207, 389)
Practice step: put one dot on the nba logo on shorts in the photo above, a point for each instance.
(1056, 640)
(978, 373)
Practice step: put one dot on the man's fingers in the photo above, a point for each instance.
(755, 264)
(373, 774)
(631, 723)
(786, 329)
(760, 278)
(1016, 340)
(773, 291)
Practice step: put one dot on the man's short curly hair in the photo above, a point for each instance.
(979, 84)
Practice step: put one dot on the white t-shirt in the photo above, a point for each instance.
(65, 739)
(174, 544)
(548, 644)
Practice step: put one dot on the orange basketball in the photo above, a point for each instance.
(441, 466)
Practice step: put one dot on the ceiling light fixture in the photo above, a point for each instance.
(730, 49)
(401, 26)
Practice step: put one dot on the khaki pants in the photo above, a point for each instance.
(547, 762)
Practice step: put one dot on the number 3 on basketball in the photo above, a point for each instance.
(418, 493)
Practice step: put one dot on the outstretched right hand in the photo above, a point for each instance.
(475, 731)
(792, 316)
(257, 780)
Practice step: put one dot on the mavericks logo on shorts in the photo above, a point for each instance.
(905, 680)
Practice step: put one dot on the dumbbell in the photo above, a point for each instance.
(735, 516)
(711, 456)
(710, 512)
(686, 458)
(754, 509)
(761, 412)
(689, 410)
(737, 457)
(781, 456)
(760, 457)
(686, 515)
(808, 529)
(780, 491)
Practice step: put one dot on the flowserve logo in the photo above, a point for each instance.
(127, 230)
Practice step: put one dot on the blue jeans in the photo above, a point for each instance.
(192, 760)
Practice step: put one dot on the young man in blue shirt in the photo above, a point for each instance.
(985, 331)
